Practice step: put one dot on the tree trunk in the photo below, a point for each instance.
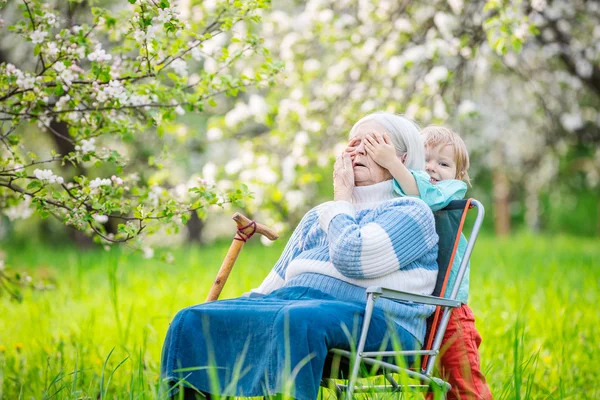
(532, 207)
(501, 203)
(195, 227)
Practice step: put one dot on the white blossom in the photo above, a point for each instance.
(67, 76)
(165, 15)
(257, 107)
(148, 252)
(114, 90)
(116, 180)
(25, 81)
(538, 5)
(571, 121)
(266, 175)
(51, 19)
(139, 35)
(234, 166)
(87, 146)
(210, 65)
(437, 74)
(179, 110)
(11, 69)
(138, 99)
(96, 183)
(236, 115)
(466, 107)
(294, 199)
(209, 172)
(196, 53)
(154, 194)
(46, 175)
(456, 6)
(214, 134)
(62, 102)
(19, 211)
(180, 67)
(38, 36)
(52, 49)
(101, 219)
(99, 54)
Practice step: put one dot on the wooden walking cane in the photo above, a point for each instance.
(245, 229)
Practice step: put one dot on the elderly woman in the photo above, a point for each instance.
(277, 339)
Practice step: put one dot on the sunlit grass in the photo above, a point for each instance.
(99, 333)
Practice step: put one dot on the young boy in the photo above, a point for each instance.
(443, 180)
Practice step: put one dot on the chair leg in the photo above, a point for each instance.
(361, 345)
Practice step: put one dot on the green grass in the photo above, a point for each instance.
(99, 333)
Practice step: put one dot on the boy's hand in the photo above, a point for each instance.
(381, 149)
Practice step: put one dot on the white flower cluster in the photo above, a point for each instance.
(148, 252)
(140, 36)
(166, 14)
(256, 107)
(38, 36)
(86, 146)
(46, 175)
(139, 99)
(437, 74)
(66, 74)
(99, 55)
(466, 107)
(155, 194)
(62, 102)
(52, 49)
(116, 180)
(196, 52)
(44, 120)
(101, 219)
(180, 67)
(96, 183)
(52, 19)
(20, 211)
(114, 90)
(25, 81)
(538, 5)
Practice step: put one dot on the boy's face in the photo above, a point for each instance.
(440, 162)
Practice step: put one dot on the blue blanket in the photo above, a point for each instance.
(268, 345)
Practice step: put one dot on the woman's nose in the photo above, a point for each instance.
(360, 149)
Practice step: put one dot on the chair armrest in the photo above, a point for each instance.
(413, 297)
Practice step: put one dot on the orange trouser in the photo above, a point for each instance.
(460, 365)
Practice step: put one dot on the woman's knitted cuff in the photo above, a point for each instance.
(332, 209)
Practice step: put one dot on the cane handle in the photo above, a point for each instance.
(241, 220)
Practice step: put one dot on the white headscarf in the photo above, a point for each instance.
(404, 134)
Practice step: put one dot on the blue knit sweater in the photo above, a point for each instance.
(379, 239)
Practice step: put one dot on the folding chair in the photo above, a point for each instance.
(449, 225)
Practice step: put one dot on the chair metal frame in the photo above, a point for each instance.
(426, 377)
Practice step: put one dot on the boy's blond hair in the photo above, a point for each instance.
(436, 135)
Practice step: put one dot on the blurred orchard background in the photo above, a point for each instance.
(130, 131)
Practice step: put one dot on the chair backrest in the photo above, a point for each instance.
(449, 224)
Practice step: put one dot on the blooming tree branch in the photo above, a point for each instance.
(126, 73)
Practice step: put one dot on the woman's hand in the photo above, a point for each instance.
(352, 146)
(381, 150)
(343, 178)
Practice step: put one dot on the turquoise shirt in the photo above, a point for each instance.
(437, 197)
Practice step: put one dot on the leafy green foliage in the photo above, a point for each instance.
(97, 86)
